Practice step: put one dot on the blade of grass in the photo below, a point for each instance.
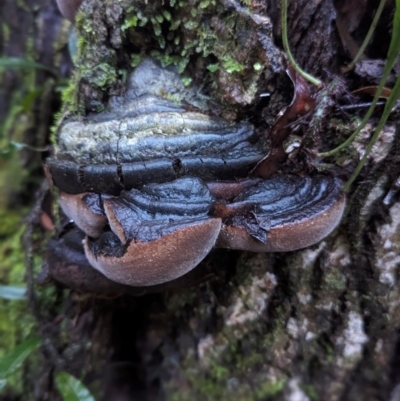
(13, 147)
(367, 37)
(16, 63)
(12, 293)
(285, 41)
(394, 50)
(71, 388)
(14, 360)
(388, 108)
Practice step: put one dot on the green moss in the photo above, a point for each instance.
(205, 3)
(191, 25)
(220, 383)
(136, 59)
(213, 67)
(311, 392)
(5, 29)
(83, 24)
(334, 280)
(186, 81)
(167, 15)
(257, 66)
(219, 372)
(81, 45)
(104, 75)
(23, 5)
(129, 23)
(274, 338)
(270, 388)
(15, 320)
(243, 276)
(175, 24)
(11, 254)
(68, 94)
(226, 364)
(159, 18)
(168, 59)
(156, 27)
(248, 362)
(173, 33)
(232, 65)
(143, 21)
(176, 302)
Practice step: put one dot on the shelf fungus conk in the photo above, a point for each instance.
(155, 182)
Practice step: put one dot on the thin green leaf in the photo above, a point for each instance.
(395, 40)
(394, 50)
(367, 37)
(30, 98)
(14, 360)
(285, 41)
(394, 96)
(9, 150)
(71, 388)
(14, 147)
(12, 293)
(15, 63)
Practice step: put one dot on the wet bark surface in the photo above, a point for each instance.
(317, 324)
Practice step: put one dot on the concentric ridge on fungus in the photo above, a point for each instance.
(156, 181)
(144, 137)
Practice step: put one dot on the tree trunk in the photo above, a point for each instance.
(317, 324)
(30, 32)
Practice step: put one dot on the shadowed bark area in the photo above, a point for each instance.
(317, 324)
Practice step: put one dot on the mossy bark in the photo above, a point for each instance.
(30, 32)
(317, 324)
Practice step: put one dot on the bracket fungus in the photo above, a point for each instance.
(155, 185)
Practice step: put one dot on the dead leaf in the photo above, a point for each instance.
(371, 90)
(302, 103)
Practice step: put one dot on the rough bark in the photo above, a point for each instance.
(317, 324)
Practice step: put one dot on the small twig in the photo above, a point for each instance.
(359, 105)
